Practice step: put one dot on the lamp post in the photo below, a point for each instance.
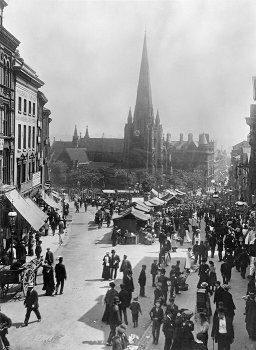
(12, 215)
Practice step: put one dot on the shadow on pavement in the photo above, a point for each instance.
(95, 280)
(17, 324)
(105, 239)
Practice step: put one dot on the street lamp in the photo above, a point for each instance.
(12, 215)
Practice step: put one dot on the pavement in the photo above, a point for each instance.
(73, 320)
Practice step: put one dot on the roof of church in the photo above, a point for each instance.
(143, 107)
(109, 145)
(77, 155)
(58, 146)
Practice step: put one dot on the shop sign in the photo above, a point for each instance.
(36, 179)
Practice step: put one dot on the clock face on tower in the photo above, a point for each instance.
(137, 133)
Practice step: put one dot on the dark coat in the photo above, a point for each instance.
(224, 269)
(215, 328)
(243, 259)
(114, 261)
(250, 318)
(111, 293)
(120, 342)
(124, 298)
(126, 266)
(168, 326)
(60, 271)
(159, 314)
(49, 257)
(128, 284)
(142, 278)
(31, 299)
(218, 295)
(114, 315)
(154, 269)
(228, 302)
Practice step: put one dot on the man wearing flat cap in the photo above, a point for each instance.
(120, 340)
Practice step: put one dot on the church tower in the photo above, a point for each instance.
(75, 138)
(141, 136)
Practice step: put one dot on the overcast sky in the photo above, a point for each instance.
(202, 56)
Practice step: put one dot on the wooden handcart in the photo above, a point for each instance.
(24, 276)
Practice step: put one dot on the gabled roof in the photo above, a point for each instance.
(108, 145)
(58, 146)
(132, 213)
(77, 155)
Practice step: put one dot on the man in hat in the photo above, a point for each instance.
(128, 284)
(156, 315)
(187, 328)
(49, 258)
(172, 307)
(61, 275)
(168, 329)
(142, 281)
(120, 340)
(243, 261)
(250, 318)
(218, 293)
(114, 264)
(154, 271)
(5, 323)
(164, 283)
(109, 297)
(222, 330)
(125, 267)
(113, 319)
(31, 303)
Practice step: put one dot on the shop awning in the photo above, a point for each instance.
(109, 191)
(157, 201)
(49, 201)
(25, 210)
(36, 208)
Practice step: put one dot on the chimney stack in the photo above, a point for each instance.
(190, 137)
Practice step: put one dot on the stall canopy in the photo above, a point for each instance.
(150, 205)
(26, 211)
(141, 206)
(157, 201)
(49, 201)
(36, 208)
(56, 196)
(132, 213)
(109, 191)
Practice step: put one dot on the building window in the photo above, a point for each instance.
(25, 106)
(33, 137)
(34, 109)
(24, 136)
(19, 136)
(19, 105)
(29, 108)
(29, 136)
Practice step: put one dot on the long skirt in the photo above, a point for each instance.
(106, 272)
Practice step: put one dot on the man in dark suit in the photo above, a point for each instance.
(31, 303)
(114, 264)
(228, 302)
(49, 258)
(124, 298)
(224, 270)
(156, 315)
(128, 284)
(61, 275)
(125, 266)
(222, 330)
(218, 293)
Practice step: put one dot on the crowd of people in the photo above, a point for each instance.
(231, 235)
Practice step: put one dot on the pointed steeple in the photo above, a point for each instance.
(143, 113)
(75, 137)
(157, 118)
(129, 119)
(87, 133)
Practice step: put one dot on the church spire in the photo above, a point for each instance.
(143, 113)
(87, 133)
(75, 137)
(157, 118)
(129, 119)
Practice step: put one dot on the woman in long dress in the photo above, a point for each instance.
(106, 267)
(188, 261)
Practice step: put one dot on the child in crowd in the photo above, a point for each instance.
(135, 309)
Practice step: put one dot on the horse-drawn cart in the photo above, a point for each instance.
(23, 275)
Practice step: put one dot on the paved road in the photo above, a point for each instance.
(73, 320)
